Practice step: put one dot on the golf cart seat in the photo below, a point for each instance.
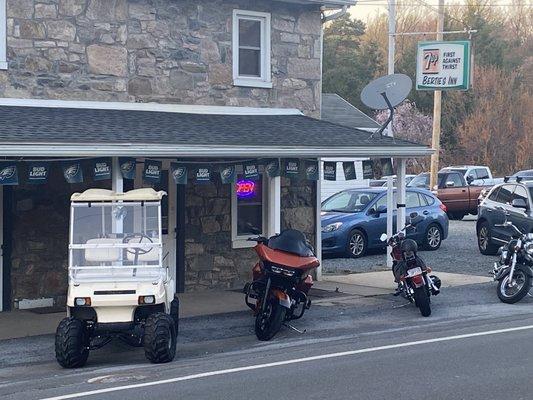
(106, 254)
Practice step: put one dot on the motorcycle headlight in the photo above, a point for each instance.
(282, 271)
(332, 227)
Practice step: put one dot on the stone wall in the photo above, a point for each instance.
(210, 261)
(39, 262)
(165, 51)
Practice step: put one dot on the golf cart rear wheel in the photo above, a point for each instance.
(71, 343)
(160, 338)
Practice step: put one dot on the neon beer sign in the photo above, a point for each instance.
(245, 189)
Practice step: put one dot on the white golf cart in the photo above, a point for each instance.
(117, 285)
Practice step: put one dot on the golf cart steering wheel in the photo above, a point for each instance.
(137, 251)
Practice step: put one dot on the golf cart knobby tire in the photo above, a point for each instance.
(160, 338)
(71, 343)
(422, 301)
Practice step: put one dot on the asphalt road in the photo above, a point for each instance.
(457, 254)
(488, 367)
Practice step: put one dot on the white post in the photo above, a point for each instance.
(274, 206)
(392, 46)
(390, 214)
(1, 248)
(318, 221)
(117, 185)
(400, 177)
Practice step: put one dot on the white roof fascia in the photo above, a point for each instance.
(170, 108)
(181, 150)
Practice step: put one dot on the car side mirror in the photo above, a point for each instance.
(519, 203)
(381, 210)
(450, 184)
(469, 179)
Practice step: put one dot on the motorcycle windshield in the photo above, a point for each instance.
(291, 241)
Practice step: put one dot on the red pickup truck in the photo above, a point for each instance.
(459, 198)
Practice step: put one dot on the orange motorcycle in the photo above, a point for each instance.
(281, 281)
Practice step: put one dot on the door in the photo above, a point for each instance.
(519, 216)
(453, 193)
(501, 207)
(168, 214)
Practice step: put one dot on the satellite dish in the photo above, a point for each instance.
(392, 88)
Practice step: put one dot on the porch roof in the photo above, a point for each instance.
(46, 129)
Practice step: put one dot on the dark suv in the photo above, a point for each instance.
(512, 198)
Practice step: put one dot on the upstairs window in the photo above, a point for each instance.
(3, 35)
(251, 49)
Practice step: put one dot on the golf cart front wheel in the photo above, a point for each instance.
(71, 343)
(160, 338)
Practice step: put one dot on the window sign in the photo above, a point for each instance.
(292, 168)
(203, 174)
(349, 170)
(251, 171)
(443, 65)
(38, 172)
(127, 167)
(368, 169)
(249, 196)
(272, 167)
(330, 171)
(311, 170)
(179, 173)
(8, 173)
(152, 171)
(227, 174)
(101, 169)
(386, 166)
(73, 172)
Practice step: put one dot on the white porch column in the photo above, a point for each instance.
(318, 222)
(274, 206)
(1, 248)
(117, 180)
(400, 177)
(390, 215)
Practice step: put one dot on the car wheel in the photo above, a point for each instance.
(433, 237)
(484, 240)
(357, 244)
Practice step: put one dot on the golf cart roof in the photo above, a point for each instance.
(144, 194)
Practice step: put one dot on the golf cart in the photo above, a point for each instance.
(117, 285)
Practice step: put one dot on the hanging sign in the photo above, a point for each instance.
(251, 171)
(203, 174)
(38, 172)
(292, 168)
(8, 173)
(245, 189)
(368, 169)
(386, 167)
(272, 167)
(179, 173)
(227, 174)
(330, 170)
(152, 171)
(73, 172)
(101, 169)
(443, 65)
(349, 171)
(127, 167)
(311, 170)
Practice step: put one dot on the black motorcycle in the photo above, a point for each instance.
(514, 269)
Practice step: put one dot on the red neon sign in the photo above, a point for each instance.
(245, 188)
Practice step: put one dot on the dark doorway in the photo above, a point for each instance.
(7, 246)
(180, 238)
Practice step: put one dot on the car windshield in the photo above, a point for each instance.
(348, 202)
(422, 180)
(462, 171)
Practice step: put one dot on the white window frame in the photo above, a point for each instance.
(265, 80)
(3, 34)
(271, 212)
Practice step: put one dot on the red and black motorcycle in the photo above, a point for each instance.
(281, 281)
(410, 271)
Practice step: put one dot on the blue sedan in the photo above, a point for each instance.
(354, 219)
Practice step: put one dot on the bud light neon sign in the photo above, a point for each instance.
(245, 189)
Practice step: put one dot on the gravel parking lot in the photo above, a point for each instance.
(457, 254)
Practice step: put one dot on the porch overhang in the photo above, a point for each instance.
(41, 128)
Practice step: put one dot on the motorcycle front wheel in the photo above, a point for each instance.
(269, 323)
(511, 294)
(422, 301)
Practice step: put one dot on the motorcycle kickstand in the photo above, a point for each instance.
(294, 328)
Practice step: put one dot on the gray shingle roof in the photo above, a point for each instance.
(25, 125)
(337, 110)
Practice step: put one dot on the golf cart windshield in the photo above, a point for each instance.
(115, 241)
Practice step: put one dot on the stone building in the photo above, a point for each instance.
(218, 81)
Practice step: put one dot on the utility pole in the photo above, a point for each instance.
(437, 102)
(392, 46)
